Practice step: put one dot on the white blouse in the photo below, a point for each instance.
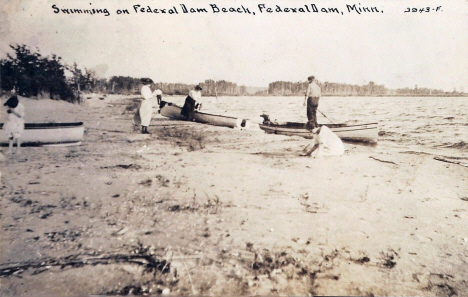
(146, 92)
(196, 95)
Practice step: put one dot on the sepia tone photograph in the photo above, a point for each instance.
(233, 148)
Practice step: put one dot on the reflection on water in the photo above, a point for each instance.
(421, 124)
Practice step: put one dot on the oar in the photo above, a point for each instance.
(325, 116)
(318, 110)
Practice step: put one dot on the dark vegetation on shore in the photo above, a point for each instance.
(31, 74)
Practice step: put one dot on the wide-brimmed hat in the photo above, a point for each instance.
(12, 102)
(146, 81)
(311, 77)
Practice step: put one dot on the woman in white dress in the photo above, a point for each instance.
(14, 126)
(146, 107)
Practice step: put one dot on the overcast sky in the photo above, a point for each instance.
(394, 48)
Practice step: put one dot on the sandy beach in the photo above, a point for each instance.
(194, 209)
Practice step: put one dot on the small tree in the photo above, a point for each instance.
(30, 74)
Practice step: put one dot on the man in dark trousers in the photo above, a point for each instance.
(312, 97)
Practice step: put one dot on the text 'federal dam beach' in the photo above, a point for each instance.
(219, 9)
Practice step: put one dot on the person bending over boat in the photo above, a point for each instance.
(325, 143)
(312, 97)
(146, 107)
(14, 126)
(192, 102)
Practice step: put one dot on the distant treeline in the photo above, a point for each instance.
(129, 85)
(30, 74)
(285, 88)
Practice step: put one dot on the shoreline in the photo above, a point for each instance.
(197, 209)
(342, 95)
(92, 95)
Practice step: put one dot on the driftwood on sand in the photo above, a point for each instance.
(452, 162)
(147, 260)
(383, 161)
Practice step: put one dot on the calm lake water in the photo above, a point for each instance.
(420, 124)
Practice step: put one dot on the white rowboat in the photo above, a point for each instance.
(49, 134)
(361, 132)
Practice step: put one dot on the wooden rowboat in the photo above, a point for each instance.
(49, 134)
(172, 111)
(361, 132)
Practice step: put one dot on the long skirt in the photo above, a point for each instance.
(146, 112)
(189, 108)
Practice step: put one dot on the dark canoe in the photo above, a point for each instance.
(172, 111)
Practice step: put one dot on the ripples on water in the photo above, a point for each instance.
(420, 124)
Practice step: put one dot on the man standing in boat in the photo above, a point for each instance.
(312, 97)
(192, 102)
